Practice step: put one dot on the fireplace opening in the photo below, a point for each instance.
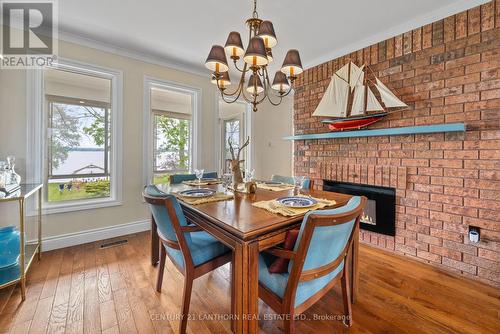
(380, 211)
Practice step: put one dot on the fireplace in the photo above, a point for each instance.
(380, 212)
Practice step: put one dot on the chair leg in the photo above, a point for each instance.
(233, 293)
(289, 324)
(161, 267)
(346, 296)
(186, 299)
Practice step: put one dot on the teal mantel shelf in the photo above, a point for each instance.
(406, 130)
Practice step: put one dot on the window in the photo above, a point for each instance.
(80, 137)
(233, 127)
(78, 150)
(171, 153)
(170, 120)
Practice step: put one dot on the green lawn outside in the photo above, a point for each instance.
(95, 189)
(161, 179)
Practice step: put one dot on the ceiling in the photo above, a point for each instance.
(180, 33)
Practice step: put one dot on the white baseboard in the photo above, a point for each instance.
(83, 237)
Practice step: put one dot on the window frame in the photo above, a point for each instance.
(148, 119)
(37, 136)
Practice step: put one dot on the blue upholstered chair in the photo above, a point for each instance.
(193, 251)
(289, 179)
(317, 262)
(179, 178)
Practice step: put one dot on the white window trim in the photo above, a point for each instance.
(195, 92)
(248, 126)
(36, 136)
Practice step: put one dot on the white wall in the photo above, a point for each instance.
(13, 135)
(272, 154)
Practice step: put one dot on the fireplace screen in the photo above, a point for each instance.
(380, 210)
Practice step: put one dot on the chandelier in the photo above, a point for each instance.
(256, 58)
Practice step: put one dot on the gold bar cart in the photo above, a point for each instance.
(27, 250)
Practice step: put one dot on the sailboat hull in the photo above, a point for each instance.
(354, 122)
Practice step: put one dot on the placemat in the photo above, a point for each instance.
(202, 183)
(278, 187)
(275, 207)
(195, 201)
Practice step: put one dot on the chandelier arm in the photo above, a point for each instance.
(236, 66)
(274, 103)
(221, 89)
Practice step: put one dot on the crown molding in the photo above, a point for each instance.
(129, 53)
(418, 22)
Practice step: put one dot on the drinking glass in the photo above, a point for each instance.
(199, 174)
(298, 182)
(249, 174)
(226, 181)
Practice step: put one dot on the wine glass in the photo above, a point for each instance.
(298, 182)
(199, 174)
(249, 173)
(226, 181)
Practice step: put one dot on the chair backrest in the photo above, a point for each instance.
(323, 241)
(169, 218)
(289, 180)
(179, 178)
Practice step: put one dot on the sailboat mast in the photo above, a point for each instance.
(365, 83)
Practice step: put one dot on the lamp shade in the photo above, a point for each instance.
(234, 46)
(216, 60)
(292, 65)
(255, 85)
(256, 53)
(280, 82)
(224, 80)
(266, 32)
(269, 55)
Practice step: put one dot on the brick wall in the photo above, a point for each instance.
(447, 71)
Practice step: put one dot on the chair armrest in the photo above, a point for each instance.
(280, 252)
(191, 228)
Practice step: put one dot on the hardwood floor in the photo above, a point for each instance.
(84, 289)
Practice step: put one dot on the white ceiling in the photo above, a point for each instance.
(181, 32)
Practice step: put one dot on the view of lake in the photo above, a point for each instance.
(78, 159)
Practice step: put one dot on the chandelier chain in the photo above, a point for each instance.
(255, 14)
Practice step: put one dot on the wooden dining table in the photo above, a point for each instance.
(248, 230)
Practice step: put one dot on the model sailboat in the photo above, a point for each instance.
(351, 101)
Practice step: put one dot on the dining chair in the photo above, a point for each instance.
(289, 180)
(193, 251)
(317, 263)
(179, 178)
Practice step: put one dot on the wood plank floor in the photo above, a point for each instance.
(84, 289)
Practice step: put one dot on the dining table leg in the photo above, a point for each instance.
(246, 280)
(155, 243)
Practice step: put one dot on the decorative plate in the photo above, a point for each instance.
(272, 183)
(297, 202)
(197, 193)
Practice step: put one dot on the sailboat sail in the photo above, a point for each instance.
(390, 100)
(358, 102)
(357, 76)
(372, 103)
(350, 80)
(334, 101)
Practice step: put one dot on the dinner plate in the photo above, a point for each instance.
(272, 183)
(297, 202)
(197, 193)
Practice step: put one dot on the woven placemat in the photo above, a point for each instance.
(215, 198)
(275, 207)
(278, 187)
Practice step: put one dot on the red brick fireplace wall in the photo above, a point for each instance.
(447, 71)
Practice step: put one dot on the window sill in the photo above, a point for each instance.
(49, 209)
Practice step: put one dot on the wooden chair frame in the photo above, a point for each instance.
(286, 305)
(190, 271)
